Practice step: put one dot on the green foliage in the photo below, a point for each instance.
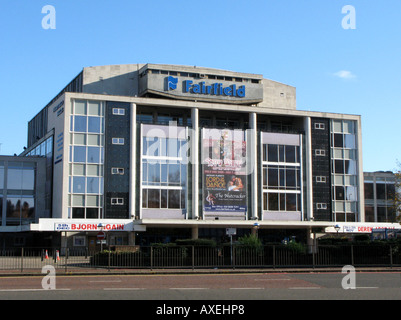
(196, 242)
(250, 240)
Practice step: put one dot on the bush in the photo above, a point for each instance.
(196, 242)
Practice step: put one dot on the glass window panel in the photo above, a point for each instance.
(80, 124)
(183, 197)
(27, 208)
(14, 178)
(350, 180)
(13, 207)
(144, 146)
(1, 206)
(153, 198)
(78, 213)
(348, 127)
(94, 124)
(282, 177)
(174, 174)
(153, 147)
(92, 185)
(339, 206)
(273, 201)
(80, 107)
(381, 214)
(93, 170)
(273, 177)
(291, 201)
(338, 166)
(380, 191)
(93, 154)
(92, 201)
(281, 154)
(337, 126)
(144, 198)
(290, 154)
(173, 147)
(272, 153)
(163, 147)
(351, 193)
(290, 178)
(368, 190)
(338, 140)
(282, 201)
(174, 199)
(93, 140)
(369, 214)
(144, 171)
(80, 138)
(349, 154)
(78, 185)
(154, 172)
(164, 173)
(92, 213)
(338, 153)
(339, 193)
(350, 166)
(349, 141)
(338, 180)
(79, 154)
(28, 179)
(94, 108)
(183, 175)
(163, 198)
(78, 169)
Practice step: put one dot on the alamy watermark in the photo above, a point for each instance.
(49, 280)
(349, 20)
(49, 20)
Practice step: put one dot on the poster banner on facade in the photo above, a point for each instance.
(224, 171)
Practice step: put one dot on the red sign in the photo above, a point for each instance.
(101, 235)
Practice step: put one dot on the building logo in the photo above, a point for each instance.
(171, 83)
(201, 88)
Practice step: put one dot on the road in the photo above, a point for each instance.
(154, 287)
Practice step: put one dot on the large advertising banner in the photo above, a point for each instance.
(224, 171)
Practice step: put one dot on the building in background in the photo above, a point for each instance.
(153, 153)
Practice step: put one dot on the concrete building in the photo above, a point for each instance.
(158, 152)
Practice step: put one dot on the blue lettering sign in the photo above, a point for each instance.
(216, 89)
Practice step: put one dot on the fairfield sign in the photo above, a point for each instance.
(201, 88)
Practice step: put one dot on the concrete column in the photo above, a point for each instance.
(131, 238)
(308, 169)
(132, 171)
(361, 191)
(195, 232)
(195, 162)
(253, 163)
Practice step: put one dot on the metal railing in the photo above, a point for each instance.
(153, 257)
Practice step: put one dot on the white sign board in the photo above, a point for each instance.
(231, 231)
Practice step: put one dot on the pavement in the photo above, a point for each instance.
(119, 271)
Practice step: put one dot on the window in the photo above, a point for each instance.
(320, 126)
(321, 206)
(321, 179)
(117, 201)
(164, 172)
(117, 171)
(281, 178)
(118, 141)
(118, 111)
(320, 152)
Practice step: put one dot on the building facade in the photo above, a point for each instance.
(152, 153)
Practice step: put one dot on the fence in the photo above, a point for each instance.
(272, 256)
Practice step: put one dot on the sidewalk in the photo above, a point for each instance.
(121, 271)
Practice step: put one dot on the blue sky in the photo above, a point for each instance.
(298, 42)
